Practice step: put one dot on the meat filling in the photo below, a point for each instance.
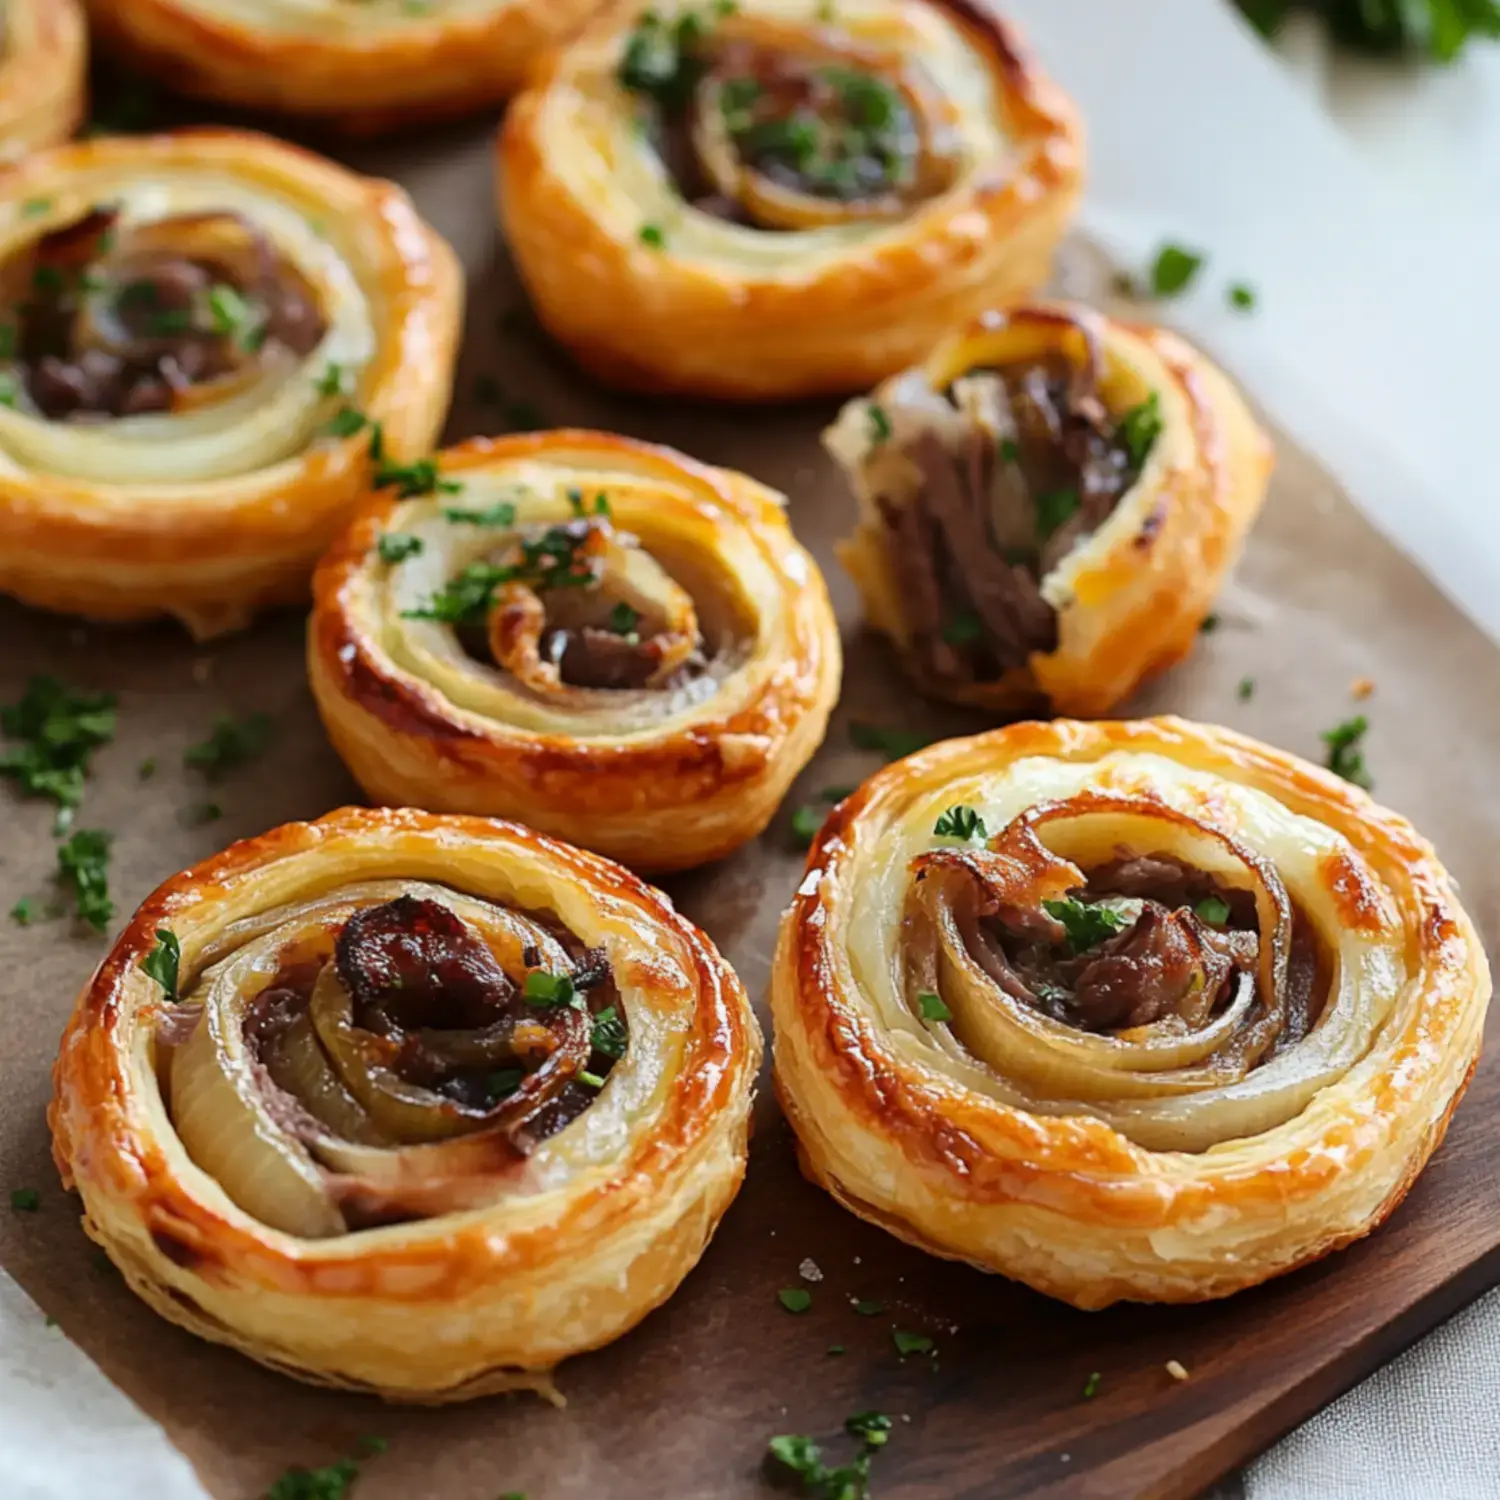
(113, 321)
(430, 1006)
(984, 491)
(808, 125)
(1148, 940)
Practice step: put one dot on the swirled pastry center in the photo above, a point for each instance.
(360, 1061)
(106, 320)
(781, 130)
(1115, 956)
(577, 606)
(985, 487)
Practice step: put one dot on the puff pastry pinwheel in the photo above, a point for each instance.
(600, 637)
(1048, 506)
(782, 198)
(404, 1103)
(1122, 1010)
(361, 65)
(210, 343)
(43, 89)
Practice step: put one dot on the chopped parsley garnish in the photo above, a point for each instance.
(542, 988)
(910, 1343)
(963, 629)
(654, 236)
(147, 768)
(370, 1446)
(1173, 270)
(932, 1007)
(796, 1299)
(1346, 756)
(894, 744)
(662, 58)
(501, 514)
(872, 1427)
(200, 813)
(546, 563)
(1241, 297)
(803, 1457)
(345, 422)
(83, 870)
(231, 743)
(623, 619)
(1091, 1386)
(1140, 427)
(1209, 624)
(503, 1082)
(34, 207)
(1246, 690)
(960, 822)
(25, 1200)
(232, 316)
(869, 1309)
(880, 423)
(1214, 910)
(835, 1349)
(23, 913)
(608, 1037)
(1053, 510)
(334, 381)
(590, 1080)
(418, 478)
(58, 729)
(580, 506)
(1089, 923)
(328, 1483)
(397, 546)
(162, 962)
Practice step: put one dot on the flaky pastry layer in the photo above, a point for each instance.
(649, 292)
(601, 1224)
(212, 513)
(43, 82)
(907, 1127)
(364, 68)
(661, 781)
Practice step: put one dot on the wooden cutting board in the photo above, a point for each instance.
(682, 1408)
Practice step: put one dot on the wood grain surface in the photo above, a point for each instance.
(682, 1408)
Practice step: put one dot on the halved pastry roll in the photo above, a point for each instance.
(210, 343)
(1122, 1010)
(1048, 506)
(407, 1104)
(600, 637)
(781, 198)
(360, 65)
(43, 74)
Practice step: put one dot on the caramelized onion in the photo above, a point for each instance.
(1231, 1061)
(335, 1077)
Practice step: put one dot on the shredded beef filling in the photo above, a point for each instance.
(1181, 946)
(441, 1013)
(110, 321)
(1027, 463)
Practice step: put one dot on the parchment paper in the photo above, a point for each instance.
(1320, 601)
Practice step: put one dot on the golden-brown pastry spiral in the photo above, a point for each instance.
(404, 1103)
(43, 83)
(603, 638)
(360, 65)
(1122, 1010)
(782, 198)
(210, 342)
(1048, 506)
